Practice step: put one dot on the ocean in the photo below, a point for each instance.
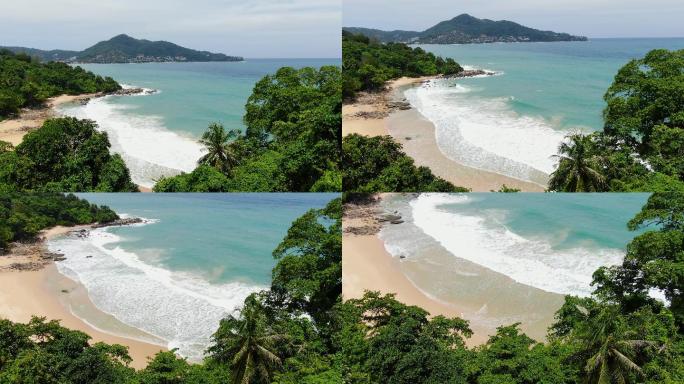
(157, 133)
(512, 123)
(509, 257)
(193, 262)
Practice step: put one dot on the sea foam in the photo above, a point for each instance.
(182, 308)
(531, 262)
(486, 133)
(147, 147)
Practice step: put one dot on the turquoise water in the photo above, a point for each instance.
(194, 261)
(565, 221)
(553, 242)
(512, 123)
(157, 133)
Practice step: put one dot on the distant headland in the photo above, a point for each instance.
(126, 49)
(466, 29)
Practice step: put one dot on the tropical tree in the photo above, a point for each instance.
(221, 153)
(247, 344)
(578, 166)
(612, 360)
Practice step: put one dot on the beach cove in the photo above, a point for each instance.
(190, 258)
(483, 257)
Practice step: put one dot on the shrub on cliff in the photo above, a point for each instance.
(65, 155)
(377, 164)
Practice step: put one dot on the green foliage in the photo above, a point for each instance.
(247, 344)
(377, 164)
(45, 352)
(367, 64)
(203, 179)
(512, 357)
(292, 140)
(579, 168)
(65, 155)
(24, 215)
(28, 83)
(220, 151)
(308, 275)
(506, 189)
(395, 343)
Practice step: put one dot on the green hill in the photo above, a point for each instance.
(126, 49)
(466, 29)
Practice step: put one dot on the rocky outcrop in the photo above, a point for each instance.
(133, 91)
(119, 222)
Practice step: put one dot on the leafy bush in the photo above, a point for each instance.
(64, 155)
(377, 164)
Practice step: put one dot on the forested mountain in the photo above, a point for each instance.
(126, 49)
(466, 29)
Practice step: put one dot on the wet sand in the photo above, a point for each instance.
(46, 292)
(417, 136)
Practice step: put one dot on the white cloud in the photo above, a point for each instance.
(254, 28)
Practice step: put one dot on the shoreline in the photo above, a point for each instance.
(388, 113)
(485, 298)
(44, 291)
(366, 265)
(14, 130)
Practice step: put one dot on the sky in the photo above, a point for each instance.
(249, 28)
(592, 18)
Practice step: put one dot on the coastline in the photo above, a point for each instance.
(387, 113)
(14, 130)
(475, 293)
(41, 290)
(366, 265)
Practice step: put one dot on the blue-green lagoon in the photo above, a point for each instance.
(192, 262)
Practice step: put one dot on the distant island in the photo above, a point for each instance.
(126, 49)
(466, 29)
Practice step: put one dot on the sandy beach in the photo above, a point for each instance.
(387, 113)
(483, 297)
(366, 266)
(41, 290)
(13, 130)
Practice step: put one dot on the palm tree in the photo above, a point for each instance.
(247, 344)
(221, 153)
(578, 168)
(612, 356)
